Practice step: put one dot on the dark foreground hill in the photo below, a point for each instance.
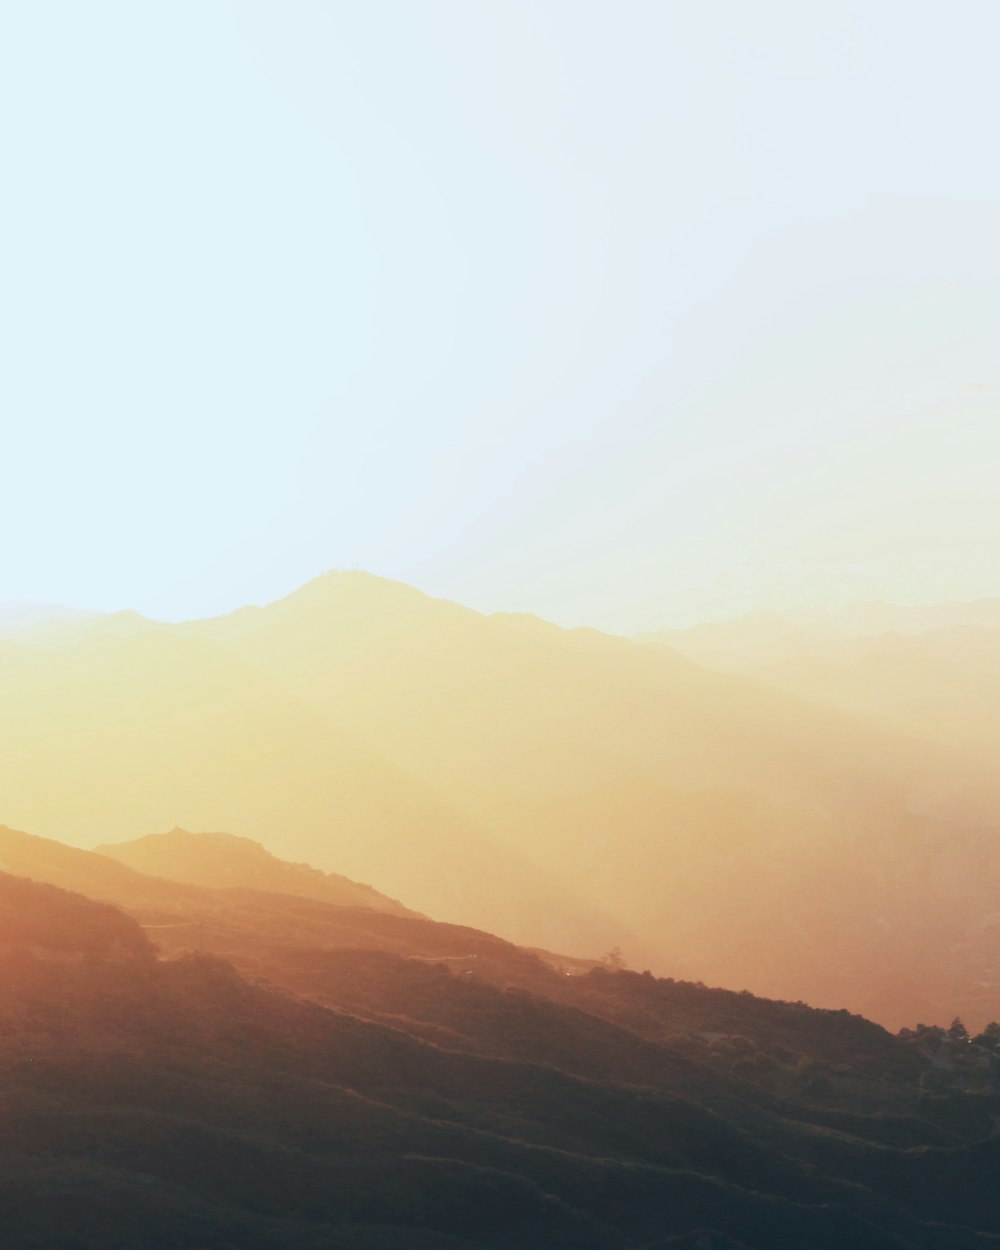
(397, 1102)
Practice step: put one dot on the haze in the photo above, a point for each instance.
(626, 315)
(499, 625)
(824, 831)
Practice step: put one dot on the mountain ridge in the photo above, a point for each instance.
(487, 769)
(227, 860)
(391, 1103)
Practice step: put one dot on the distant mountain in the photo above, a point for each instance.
(222, 860)
(884, 618)
(931, 672)
(178, 729)
(762, 637)
(19, 617)
(155, 1104)
(87, 872)
(567, 789)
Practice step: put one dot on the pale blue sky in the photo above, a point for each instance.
(623, 313)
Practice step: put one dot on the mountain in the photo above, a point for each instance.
(222, 860)
(882, 618)
(711, 811)
(151, 1103)
(44, 920)
(760, 636)
(931, 672)
(271, 919)
(87, 872)
(565, 788)
(181, 731)
(19, 617)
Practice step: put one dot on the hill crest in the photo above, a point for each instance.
(225, 860)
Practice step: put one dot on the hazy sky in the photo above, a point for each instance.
(618, 312)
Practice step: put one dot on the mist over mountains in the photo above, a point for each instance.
(565, 788)
(364, 918)
(931, 672)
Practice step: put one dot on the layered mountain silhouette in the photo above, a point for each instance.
(263, 926)
(376, 1097)
(564, 788)
(219, 859)
(38, 919)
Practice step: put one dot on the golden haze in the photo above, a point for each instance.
(564, 788)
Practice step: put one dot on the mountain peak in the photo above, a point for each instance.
(227, 860)
(357, 587)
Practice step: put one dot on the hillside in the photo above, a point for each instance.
(567, 789)
(153, 1104)
(44, 920)
(932, 672)
(263, 931)
(224, 861)
(87, 872)
(182, 732)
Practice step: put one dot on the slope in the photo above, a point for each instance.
(713, 812)
(135, 734)
(565, 788)
(222, 860)
(154, 1104)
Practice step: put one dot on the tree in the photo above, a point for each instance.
(990, 1036)
(958, 1032)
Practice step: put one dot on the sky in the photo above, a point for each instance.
(628, 314)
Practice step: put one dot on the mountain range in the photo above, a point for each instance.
(568, 789)
(366, 1077)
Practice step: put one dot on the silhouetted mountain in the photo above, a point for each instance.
(89, 872)
(156, 1104)
(264, 932)
(43, 919)
(567, 789)
(220, 859)
(178, 730)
